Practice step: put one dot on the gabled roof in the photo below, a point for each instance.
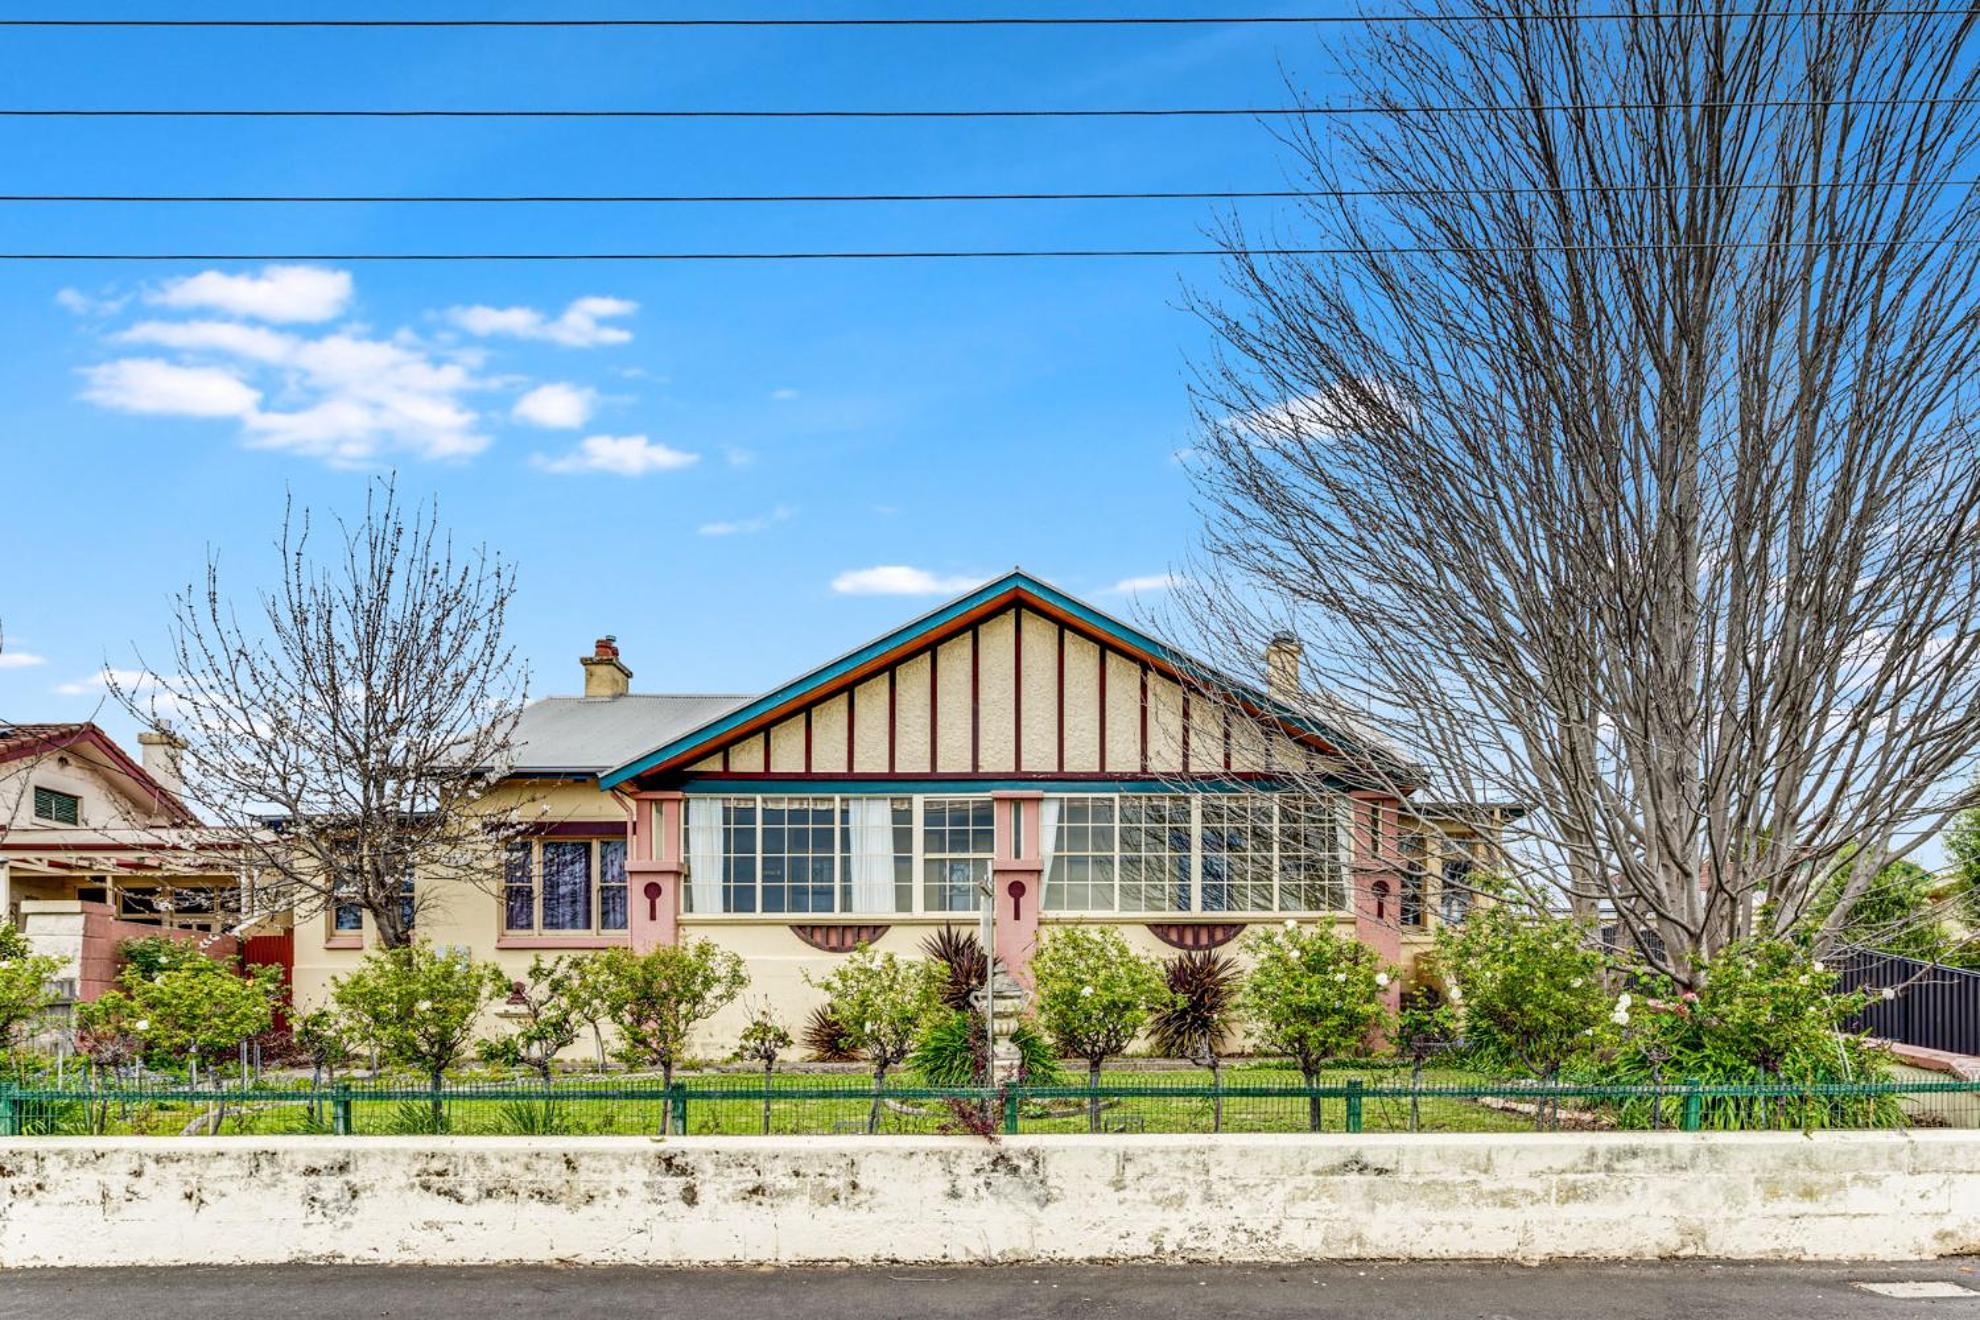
(18, 741)
(589, 735)
(1015, 587)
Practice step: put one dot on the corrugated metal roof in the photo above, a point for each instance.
(562, 735)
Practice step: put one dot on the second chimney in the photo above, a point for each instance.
(605, 675)
(1282, 655)
(163, 760)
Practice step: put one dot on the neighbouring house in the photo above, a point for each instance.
(1015, 740)
(96, 848)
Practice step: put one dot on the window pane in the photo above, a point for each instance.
(1081, 875)
(1411, 907)
(1155, 852)
(1311, 878)
(1237, 852)
(567, 886)
(1455, 892)
(612, 884)
(739, 855)
(518, 887)
(800, 853)
(956, 844)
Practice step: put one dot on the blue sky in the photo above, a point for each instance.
(690, 457)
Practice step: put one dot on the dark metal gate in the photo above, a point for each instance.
(1936, 1008)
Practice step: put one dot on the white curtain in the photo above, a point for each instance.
(872, 820)
(1048, 836)
(704, 854)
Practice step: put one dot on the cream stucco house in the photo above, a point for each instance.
(1015, 741)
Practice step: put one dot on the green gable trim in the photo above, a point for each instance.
(1017, 580)
(961, 787)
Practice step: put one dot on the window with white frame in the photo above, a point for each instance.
(776, 855)
(1157, 835)
(564, 886)
(1081, 870)
(57, 807)
(1239, 842)
(957, 842)
(1312, 870)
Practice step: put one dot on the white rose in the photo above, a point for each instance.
(1820, 968)
(1085, 991)
(1575, 984)
(1620, 1017)
(1623, 1001)
(142, 1024)
(1292, 925)
(1889, 993)
(1340, 976)
(1457, 995)
(423, 1006)
(1382, 979)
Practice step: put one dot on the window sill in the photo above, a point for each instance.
(574, 940)
(343, 942)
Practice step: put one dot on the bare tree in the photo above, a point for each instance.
(345, 739)
(1622, 464)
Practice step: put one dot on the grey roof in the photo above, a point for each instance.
(589, 735)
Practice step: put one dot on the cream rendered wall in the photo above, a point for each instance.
(913, 739)
(828, 736)
(952, 738)
(996, 693)
(748, 754)
(66, 771)
(787, 746)
(1123, 714)
(1082, 704)
(1041, 692)
(870, 726)
(1165, 712)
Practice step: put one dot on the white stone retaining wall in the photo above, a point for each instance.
(681, 1201)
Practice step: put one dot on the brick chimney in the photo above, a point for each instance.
(162, 756)
(1282, 655)
(605, 675)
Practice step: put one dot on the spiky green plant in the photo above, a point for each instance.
(1204, 1013)
(965, 966)
(825, 1037)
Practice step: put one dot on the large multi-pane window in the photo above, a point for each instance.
(564, 886)
(800, 855)
(957, 840)
(1175, 852)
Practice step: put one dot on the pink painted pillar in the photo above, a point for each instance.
(1376, 880)
(1017, 879)
(653, 871)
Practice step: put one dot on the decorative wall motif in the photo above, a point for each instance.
(1189, 935)
(838, 939)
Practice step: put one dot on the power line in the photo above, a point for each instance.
(953, 254)
(979, 21)
(1204, 194)
(1106, 112)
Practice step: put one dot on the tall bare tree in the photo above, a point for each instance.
(342, 741)
(1622, 463)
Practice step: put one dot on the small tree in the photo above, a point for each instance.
(762, 1041)
(321, 1037)
(546, 1025)
(420, 1006)
(1314, 995)
(659, 996)
(589, 994)
(880, 1001)
(24, 988)
(190, 1010)
(1528, 985)
(1095, 994)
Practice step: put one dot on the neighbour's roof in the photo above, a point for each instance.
(589, 735)
(23, 740)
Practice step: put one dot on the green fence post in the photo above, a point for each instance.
(10, 1111)
(1354, 1104)
(1694, 1107)
(1010, 1112)
(340, 1110)
(677, 1103)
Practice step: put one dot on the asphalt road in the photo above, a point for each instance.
(1394, 1292)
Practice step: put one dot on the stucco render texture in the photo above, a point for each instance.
(683, 1201)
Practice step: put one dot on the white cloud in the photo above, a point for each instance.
(1151, 582)
(343, 397)
(578, 326)
(745, 526)
(556, 406)
(898, 580)
(278, 293)
(782, 394)
(140, 685)
(85, 304)
(21, 660)
(149, 385)
(739, 458)
(620, 455)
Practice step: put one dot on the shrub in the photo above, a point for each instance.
(763, 1040)
(588, 995)
(1094, 996)
(954, 1051)
(881, 1001)
(657, 997)
(420, 1007)
(194, 1009)
(151, 956)
(1315, 996)
(24, 991)
(545, 1026)
(1528, 986)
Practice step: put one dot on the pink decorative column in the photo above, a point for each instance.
(653, 871)
(1017, 879)
(1376, 878)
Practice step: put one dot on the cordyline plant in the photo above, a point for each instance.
(880, 1001)
(1094, 996)
(419, 1006)
(1200, 1017)
(1315, 996)
(1616, 457)
(342, 734)
(658, 998)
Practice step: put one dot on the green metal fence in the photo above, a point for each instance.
(821, 1105)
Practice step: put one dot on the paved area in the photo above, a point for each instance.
(1661, 1291)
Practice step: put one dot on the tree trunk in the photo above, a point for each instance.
(437, 1079)
(879, 1082)
(1217, 1100)
(767, 1069)
(667, 1107)
(1312, 1077)
(1093, 1095)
